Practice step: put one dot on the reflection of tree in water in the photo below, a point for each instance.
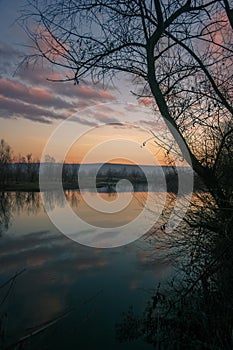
(16, 202)
(53, 198)
(31, 203)
(195, 309)
(73, 198)
(56, 198)
(5, 211)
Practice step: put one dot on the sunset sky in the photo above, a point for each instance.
(31, 107)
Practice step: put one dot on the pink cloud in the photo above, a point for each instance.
(10, 108)
(39, 96)
(32, 96)
(8, 58)
(105, 117)
(83, 91)
(43, 76)
(44, 104)
(146, 101)
(14, 108)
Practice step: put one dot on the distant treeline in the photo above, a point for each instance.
(22, 172)
(26, 175)
(19, 172)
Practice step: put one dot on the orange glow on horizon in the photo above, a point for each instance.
(109, 144)
(128, 150)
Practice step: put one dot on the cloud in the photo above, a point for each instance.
(146, 101)
(102, 117)
(7, 51)
(39, 96)
(26, 256)
(31, 96)
(82, 92)
(85, 121)
(45, 77)
(10, 108)
(8, 58)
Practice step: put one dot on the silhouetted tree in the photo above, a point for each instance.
(180, 56)
(179, 52)
(5, 160)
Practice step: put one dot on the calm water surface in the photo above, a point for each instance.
(60, 274)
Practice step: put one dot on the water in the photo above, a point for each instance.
(60, 275)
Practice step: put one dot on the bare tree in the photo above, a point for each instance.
(5, 152)
(179, 52)
(5, 159)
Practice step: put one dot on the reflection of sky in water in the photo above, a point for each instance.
(115, 219)
(100, 283)
(100, 222)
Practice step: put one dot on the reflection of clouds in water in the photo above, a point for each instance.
(61, 274)
(102, 238)
(44, 249)
(54, 267)
(134, 283)
(47, 305)
(153, 261)
(40, 248)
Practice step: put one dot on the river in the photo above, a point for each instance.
(90, 288)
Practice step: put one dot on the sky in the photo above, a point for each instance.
(32, 108)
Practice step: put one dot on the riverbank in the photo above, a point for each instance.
(22, 186)
(101, 186)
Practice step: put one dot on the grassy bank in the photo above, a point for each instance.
(101, 183)
(22, 186)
